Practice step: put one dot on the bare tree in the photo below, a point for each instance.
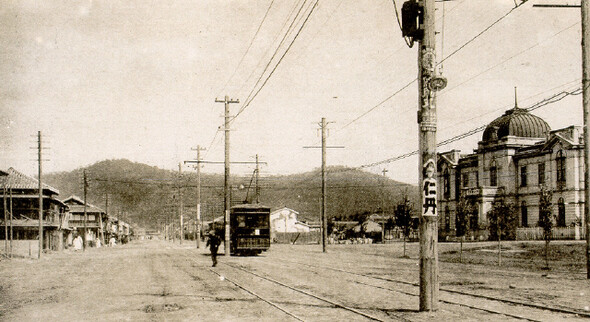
(546, 219)
(463, 222)
(403, 218)
(503, 222)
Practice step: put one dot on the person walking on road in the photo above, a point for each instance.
(78, 243)
(213, 243)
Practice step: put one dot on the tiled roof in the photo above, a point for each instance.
(17, 180)
(76, 204)
(71, 200)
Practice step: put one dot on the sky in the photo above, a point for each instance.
(138, 79)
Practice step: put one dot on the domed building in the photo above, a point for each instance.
(518, 154)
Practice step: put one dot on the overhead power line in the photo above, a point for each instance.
(279, 62)
(552, 99)
(250, 45)
(279, 46)
(483, 31)
(444, 59)
(295, 5)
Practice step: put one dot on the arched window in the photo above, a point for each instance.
(493, 174)
(561, 213)
(561, 166)
(447, 183)
(474, 224)
(524, 214)
(447, 219)
(541, 173)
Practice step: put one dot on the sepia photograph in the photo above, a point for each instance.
(294, 160)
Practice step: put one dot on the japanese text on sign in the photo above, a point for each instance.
(429, 189)
(429, 197)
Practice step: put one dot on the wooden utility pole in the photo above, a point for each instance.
(85, 210)
(585, 13)
(586, 103)
(257, 180)
(324, 222)
(226, 186)
(40, 147)
(428, 84)
(11, 235)
(384, 171)
(101, 223)
(198, 221)
(5, 219)
(180, 214)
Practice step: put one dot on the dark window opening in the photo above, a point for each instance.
(541, 173)
(561, 213)
(524, 214)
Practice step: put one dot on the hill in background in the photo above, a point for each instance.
(147, 196)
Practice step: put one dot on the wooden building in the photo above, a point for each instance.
(20, 219)
(94, 222)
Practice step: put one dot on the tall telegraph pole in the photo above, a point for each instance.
(586, 103)
(324, 223)
(40, 197)
(180, 214)
(198, 222)
(427, 164)
(85, 210)
(324, 127)
(226, 197)
(384, 171)
(418, 19)
(257, 178)
(585, 12)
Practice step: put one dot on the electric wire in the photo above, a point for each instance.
(249, 45)
(508, 59)
(482, 32)
(320, 29)
(296, 4)
(554, 98)
(443, 60)
(272, 58)
(279, 61)
(261, 59)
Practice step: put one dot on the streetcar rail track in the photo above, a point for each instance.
(282, 309)
(269, 302)
(441, 300)
(335, 304)
(487, 297)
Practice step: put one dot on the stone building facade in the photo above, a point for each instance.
(518, 154)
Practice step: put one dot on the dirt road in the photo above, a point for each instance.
(161, 281)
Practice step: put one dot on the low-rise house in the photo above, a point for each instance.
(20, 214)
(284, 220)
(93, 222)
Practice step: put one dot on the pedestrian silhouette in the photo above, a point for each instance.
(213, 243)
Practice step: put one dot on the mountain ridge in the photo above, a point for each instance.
(148, 196)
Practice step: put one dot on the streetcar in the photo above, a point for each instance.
(249, 232)
(249, 229)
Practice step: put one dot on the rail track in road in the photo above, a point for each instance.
(283, 307)
(275, 271)
(569, 311)
(321, 298)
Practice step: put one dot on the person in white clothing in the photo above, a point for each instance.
(78, 243)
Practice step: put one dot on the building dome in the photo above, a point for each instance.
(516, 122)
